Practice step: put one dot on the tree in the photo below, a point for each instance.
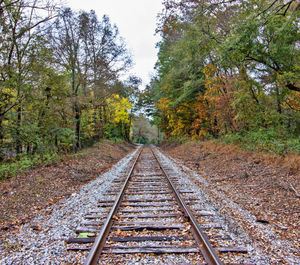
(119, 116)
(225, 67)
(20, 23)
(55, 76)
(95, 55)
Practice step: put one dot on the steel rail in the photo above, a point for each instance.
(97, 248)
(206, 249)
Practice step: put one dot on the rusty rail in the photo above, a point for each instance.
(206, 249)
(97, 248)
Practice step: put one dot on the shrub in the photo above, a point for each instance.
(11, 169)
(270, 140)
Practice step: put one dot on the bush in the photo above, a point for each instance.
(118, 140)
(11, 169)
(180, 140)
(269, 140)
(8, 171)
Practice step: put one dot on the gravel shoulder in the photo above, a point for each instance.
(253, 194)
(42, 240)
(25, 196)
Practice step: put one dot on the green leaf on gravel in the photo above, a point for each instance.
(85, 235)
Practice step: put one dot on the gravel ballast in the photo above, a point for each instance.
(268, 249)
(42, 241)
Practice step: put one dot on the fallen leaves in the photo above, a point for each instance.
(36, 228)
(263, 191)
(27, 195)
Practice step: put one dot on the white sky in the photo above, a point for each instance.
(136, 20)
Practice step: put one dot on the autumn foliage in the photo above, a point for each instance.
(228, 69)
(59, 79)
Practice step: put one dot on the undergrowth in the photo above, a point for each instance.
(9, 169)
(268, 140)
(179, 140)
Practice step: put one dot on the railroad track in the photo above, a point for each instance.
(152, 214)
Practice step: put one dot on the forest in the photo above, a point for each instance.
(228, 70)
(60, 86)
(198, 165)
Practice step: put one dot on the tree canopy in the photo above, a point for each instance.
(60, 78)
(227, 67)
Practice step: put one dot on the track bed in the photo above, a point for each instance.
(151, 213)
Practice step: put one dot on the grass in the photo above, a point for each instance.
(265, 140)
(11, 168)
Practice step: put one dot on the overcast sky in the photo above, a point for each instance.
(136, 20)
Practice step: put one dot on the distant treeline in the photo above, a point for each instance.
(230, 70)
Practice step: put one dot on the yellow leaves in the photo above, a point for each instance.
(8, 92)
(91, 112)
(175, 121)
(88, 119)
(209, 70)
(7, 96)
(289, 77)
(166, 88)
(119, 108)
(208, 83)
(29, 108)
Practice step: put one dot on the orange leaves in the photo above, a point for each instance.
(209, 70)
(293, 101)
(163, 103)
(175, 121)
(214, 110)
(209, 114)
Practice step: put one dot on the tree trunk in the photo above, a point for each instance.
(18, 134)
(77, 120)
(56, 141)
(104, 114)
(95, 137)
(100, 129)
(126, 132)
(74, 110)
(279, 110)
(1, 141)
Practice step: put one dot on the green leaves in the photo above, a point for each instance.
(85, 235)
(252, 47)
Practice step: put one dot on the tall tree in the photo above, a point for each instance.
(20, 23)
(226, 66)
(94, 54)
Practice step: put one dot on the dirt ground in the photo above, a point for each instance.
(24, 196)
(268, 186)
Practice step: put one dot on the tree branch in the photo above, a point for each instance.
(293, 87)
(7, 110)
(294, 190)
